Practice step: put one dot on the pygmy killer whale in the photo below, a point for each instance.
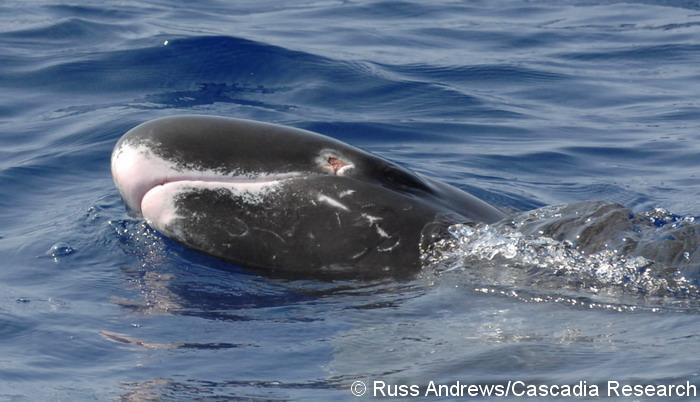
(284, 200)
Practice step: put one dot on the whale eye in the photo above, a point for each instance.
(335, 163)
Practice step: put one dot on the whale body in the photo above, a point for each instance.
(284, 200)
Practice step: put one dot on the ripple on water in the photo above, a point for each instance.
(12, 326)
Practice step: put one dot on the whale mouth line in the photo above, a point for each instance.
(236, 183)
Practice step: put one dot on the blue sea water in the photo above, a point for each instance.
(522, 103)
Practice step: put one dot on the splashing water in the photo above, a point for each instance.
(600, 250)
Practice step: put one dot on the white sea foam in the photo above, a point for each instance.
(520, 252)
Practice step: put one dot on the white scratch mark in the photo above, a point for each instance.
(330, 201)
(381, 232)
(358, 255)
(346, 193)
(371, 219)
(386, 249)
(272, 233)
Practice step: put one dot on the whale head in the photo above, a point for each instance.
(282, 199)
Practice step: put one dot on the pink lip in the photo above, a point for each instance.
(137, 173)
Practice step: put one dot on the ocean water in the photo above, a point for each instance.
(524, 104)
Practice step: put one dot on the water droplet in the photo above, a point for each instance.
(165, 43)
(60, 249)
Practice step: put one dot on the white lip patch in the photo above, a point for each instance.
(137, 171)
(158, 204)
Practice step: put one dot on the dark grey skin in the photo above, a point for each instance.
(336, 210)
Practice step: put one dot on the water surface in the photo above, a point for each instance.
(525, 104)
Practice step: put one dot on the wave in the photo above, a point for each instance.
(596, 250)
